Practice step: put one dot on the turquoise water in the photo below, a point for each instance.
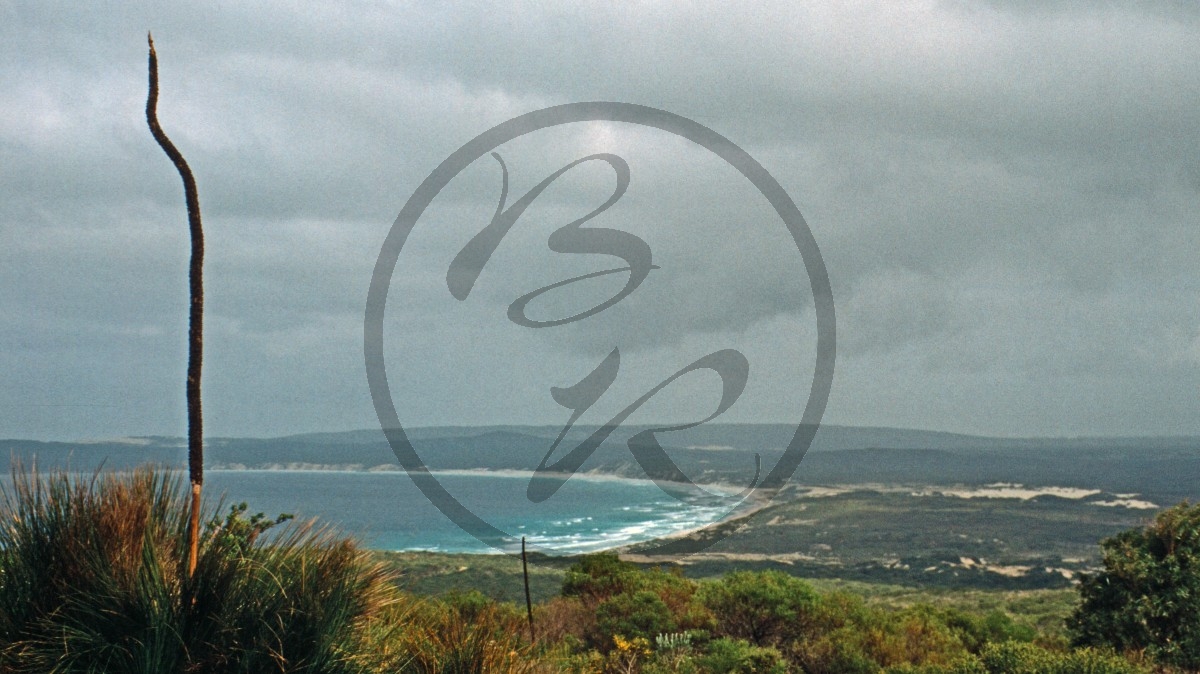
(386, 511)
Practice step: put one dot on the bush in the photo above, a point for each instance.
(461, 633)
(849, 637)
(563, 620)
(1021, 658)
(918, 636)
(966, 665)
(1147, 597)
(621, 599)
(1012, 657)
(597, 577)
(93, 578)
(768, 621)
(766, 608)
(977, 631)
(735, 656)
(841, 651)
(642, 614)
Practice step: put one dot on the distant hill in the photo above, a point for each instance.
(1165, 467)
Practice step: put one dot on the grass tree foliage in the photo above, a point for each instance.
(93, 578)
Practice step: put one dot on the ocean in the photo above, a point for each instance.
(386, 511)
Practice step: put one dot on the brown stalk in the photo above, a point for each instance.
(195, 315)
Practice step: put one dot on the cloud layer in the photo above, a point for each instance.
(1006, 195)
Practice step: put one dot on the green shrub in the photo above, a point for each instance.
(619, 598)
(1022, 658)
(841, 651)
(966, 665)
(238, 533)
(471, 605)
(632, 614)
(1013, 657)
(977, 631)
(919, 636)
(766, 608)
(1147, 597)
(597, 577)
(849, 637)
(736, 656)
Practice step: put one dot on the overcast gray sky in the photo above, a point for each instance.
(1006, 196)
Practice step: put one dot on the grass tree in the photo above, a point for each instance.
(196, 312)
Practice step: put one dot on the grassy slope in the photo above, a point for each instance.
(1044, 609)
(497, 576)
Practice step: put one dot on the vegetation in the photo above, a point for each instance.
(1147, 597)
(431, 574)
(766, 608)
(93, 577)
(898, 538)
(1012, 657)
(767, 621)
(495, 576)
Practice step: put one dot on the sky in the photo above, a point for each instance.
(1005, 194)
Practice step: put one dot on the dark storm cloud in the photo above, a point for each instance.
(1005, 193)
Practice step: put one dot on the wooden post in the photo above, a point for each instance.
(528, 601)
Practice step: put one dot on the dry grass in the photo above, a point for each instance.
(432, 636)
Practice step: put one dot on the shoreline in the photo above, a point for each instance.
(715, 489)
(754, 504)
(590, 476)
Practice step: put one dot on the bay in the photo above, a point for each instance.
(386, 511)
